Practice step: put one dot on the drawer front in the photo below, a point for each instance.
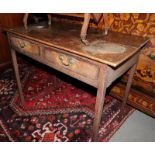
(25, 46)
(72, 63)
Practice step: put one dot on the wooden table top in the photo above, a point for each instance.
(67, 37)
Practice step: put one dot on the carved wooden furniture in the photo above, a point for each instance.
(87, 16)
(61, 49)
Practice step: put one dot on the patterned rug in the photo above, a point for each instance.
(56, 108)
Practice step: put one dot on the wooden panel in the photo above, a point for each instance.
(7, 20)
(25, 46)
(71, 63)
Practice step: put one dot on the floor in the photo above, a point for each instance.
(139, 127)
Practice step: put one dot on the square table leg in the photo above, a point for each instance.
(16, 70)
(101, 91)
(129, 82)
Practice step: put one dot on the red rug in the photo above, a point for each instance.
(56, 108)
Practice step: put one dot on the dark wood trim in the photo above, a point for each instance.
(5, 66)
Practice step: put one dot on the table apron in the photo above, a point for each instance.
(114, 73)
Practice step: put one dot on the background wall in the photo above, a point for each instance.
(7, 20)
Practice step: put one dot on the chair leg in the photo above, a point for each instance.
(25, 20)
(49, 20)
(106, 22)
(84, 28)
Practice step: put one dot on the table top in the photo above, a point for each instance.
(67, 37)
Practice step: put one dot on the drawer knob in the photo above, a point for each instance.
(66, 61)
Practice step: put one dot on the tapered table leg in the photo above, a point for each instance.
(16, 70)
(25, 18)
(101, 91)
(128, 86)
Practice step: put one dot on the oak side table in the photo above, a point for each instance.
(98, 64)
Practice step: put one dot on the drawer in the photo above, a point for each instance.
(24, 46)
(72, 63)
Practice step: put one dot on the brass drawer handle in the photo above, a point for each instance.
(21, 44)
(66, 61)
